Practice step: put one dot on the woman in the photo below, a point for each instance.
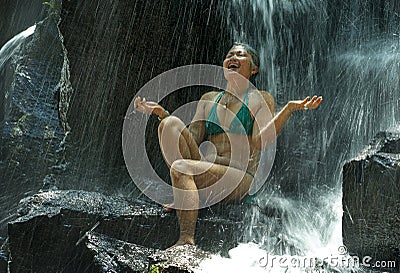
(236, 115)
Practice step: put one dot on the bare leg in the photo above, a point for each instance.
(181, 179)
(175, 141)
(187, 218)
(185, 148)
(170, 130)
(182, 154)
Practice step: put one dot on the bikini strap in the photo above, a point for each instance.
(213, 111)
(219, 96)
(246, 97)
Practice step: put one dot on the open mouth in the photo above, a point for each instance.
(233, 66)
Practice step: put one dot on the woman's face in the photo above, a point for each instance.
(239, 60)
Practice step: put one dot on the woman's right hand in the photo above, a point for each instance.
(148, 107)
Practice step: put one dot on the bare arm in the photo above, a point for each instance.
(197, 128)
(269, 100)
(149, 107)
(263, 135)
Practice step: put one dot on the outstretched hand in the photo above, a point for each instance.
(147, 107)
(306, 104)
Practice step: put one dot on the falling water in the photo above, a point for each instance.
(331, 49)
(237, 15)
(12, 45)
(6, 52)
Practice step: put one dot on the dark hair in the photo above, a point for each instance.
(253, 53)
(255, 58)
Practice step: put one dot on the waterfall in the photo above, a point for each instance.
(349, 54)
(13, 44)
(6, 52)
(262, 38)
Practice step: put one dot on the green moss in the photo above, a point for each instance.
(20, 126)
(54, 7)
(153, 269)
(22, 119)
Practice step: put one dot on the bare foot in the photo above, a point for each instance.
(167, 208)
(182, 242)
(187, 241)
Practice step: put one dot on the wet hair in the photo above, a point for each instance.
(255, 58)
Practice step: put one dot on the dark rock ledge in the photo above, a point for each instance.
(371, 200)
(77, 231)
(3, 260)
(102, 253)
(177, 259)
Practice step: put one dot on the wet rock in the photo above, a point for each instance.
(53, 231)
(371, 200)
(29, 130)
(218, 228)
(180, 259)
(3, 261)
(106, 254)
(48, 234)
(3, 254)
(387, 142)
(50, 182)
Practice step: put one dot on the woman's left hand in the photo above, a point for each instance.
(306, 104)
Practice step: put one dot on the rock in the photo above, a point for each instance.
(53, 231)
(182, 259)
(387, 142)
(106, 254)
(371, 200)
(48, 234)
(3, 261)
(30, 133)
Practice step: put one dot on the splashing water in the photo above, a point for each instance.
(293, 235)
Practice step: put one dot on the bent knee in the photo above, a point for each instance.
(179, 168)
(170, 121)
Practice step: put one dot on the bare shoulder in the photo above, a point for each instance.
(205, 101)
(267, 96)
(269, 99)
(209, 95)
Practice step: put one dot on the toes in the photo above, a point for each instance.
(168, 208)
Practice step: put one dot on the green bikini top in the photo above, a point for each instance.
(242, 118)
